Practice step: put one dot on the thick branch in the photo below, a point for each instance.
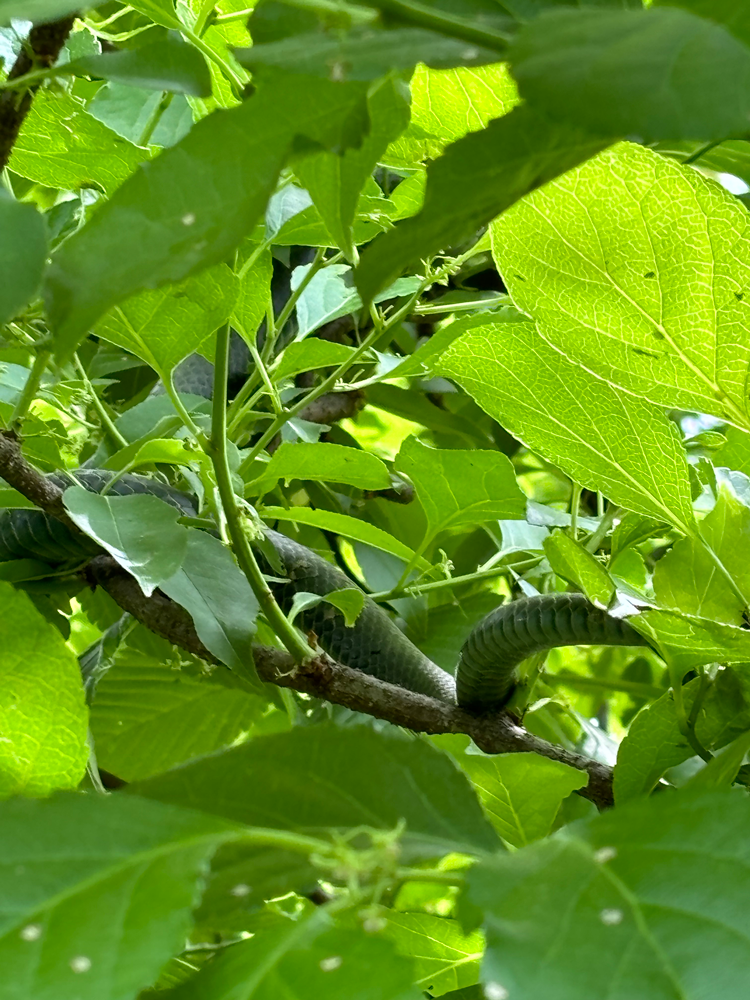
(342, 685)
(40, 51)
(321, 678)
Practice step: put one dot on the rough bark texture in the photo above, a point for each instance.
(40, 52)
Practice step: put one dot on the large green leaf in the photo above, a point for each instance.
(570, 560)
(654, 742)
(521, 792)
(43, 716)
(40, 11)
(638, 268)
(458, 488)
(197, 201)
(154, 709)
(734, 16)
(166, 64)
(686, 641)
(445, 958)
(301, 959)
(167, 325)
(210, 585)
(644, 901)
(308, 355)
(655, 74)
(96, 893)
(364, 54)
(478, 177)
(63, 147)
(448, 103)
(342, 524)
(23, 252)
(322, 777)
(335, 181)
(327, 463)
(602, 438)
(689, 578)
(140, 531)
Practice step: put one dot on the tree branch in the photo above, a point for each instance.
(39, 52)
(322, 677)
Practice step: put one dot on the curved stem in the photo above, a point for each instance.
(216, 448)
(107, 423)
(28, 394)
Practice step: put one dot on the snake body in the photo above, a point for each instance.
(486, 670)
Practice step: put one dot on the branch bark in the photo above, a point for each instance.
(40, 51)
(322, 677)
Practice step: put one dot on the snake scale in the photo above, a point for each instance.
(486, 672)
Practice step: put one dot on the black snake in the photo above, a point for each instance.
(486, 671)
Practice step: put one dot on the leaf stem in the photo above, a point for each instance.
(639, 690)
(416, 589)
(216, 449)
(278, 325)
(445, 24)
(182, 411)
(608, 517)
(107, 423)
(28, 394)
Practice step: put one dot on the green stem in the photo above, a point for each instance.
(155, 118)
(683, 723)
(271, 390)
(701, 151)
(417, 589)
(107, 423)
(187, 420)
(647, 691)
(370, 340)
(216, 448)
(238, 84)
(445, 24)
(575, 502)
(237, 15)
(318, 262)
(613, 511)
(28, 394)
(414, 561)
(430, 875)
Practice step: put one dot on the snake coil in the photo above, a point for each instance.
(486, 670)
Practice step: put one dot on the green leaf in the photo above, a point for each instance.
(457, 488)
(656, 74)
(575, 420)
(447, 104)
(301, 959)
(374, 779)
(723, 769)
(308, 355)
(254, 275)
(573, 563)
(97, 892)
(349, 602)
(732, 15)
(63, 147)
(521, 792)
(686, 641)
(210, 585)
(363, 54)
(197, 200)
(129, 111)
(735, 454)
(335, 182)
(43, 716)
(584, 914)
(323, 462)
(154, 709)
(331, 294)
(689, 579)
(654, 742)
(342, 524)
(477, 178)
(166, 64)
(169, 324)
(40, 11)
(23, 252)
(171, 451)
(139, 531)
(445, 958)
(605, 260)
